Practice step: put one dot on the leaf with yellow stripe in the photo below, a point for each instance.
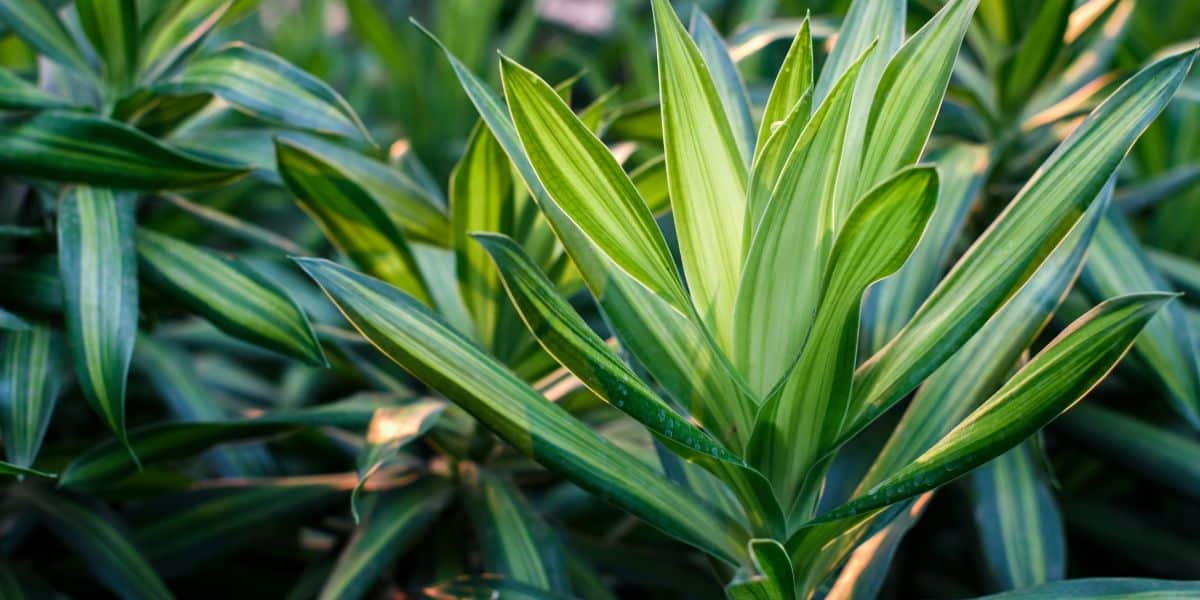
(231, 295)
(29, 386)
(112, 27)
(706, 174)
(417, 340)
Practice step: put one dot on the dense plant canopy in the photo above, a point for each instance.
(759, 300)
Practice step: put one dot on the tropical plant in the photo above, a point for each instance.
(766, 312)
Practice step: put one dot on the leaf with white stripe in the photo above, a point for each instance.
(229, 294)
(29, 386)
(269, 88)
(1020, 527)
(98, 266)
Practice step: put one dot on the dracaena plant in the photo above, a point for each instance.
(751, 362)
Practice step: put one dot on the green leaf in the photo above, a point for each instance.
(806, 413)
(566, 336)
(1117, 265)
(878, 22)
(393, 521)
(112, 27)
(35, 23)
(962, 170)
(107, 463)
(392, 428)
(586, 182)
(212, 523)
(231, 295)
(1104, 589)
(727, 80)
(706, 174)
(98, 266)
(421, 215)
(782, 276)
(1019, 525)
(443, 359)
(650, 179)
(481, 199)
(777, 138)
(29, 386)
(351, 218)
(74, 147)
(1004, 258)
(269, 88)
(1054, 380)
(516, 543)
(794, 79)
(1150, 451)
(906, 102)
(18, 94)
(1034, 56)
(107, 551)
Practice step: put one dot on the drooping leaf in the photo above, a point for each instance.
(112, 27)
(419, 342)
(350, 217)
(810, 407)
(269, 88)
(74, 147)
(98, 266)
(231, 295)
(706, 174)
(1009, 252)
(392, 522)
(1054, 380)
(107, 551)
(390, 429)
(29, 386)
